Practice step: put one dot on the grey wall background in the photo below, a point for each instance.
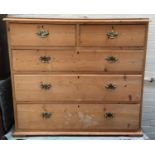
(148, 118)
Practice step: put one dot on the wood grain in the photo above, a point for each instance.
(86, 133)
(78, 73)
(76, 61)
(25, 34)
(77, 88)
(96, 35)
(79, 20)
(78, 117)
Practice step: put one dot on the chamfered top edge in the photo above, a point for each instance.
(76, 20)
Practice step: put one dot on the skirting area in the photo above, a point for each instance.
(10, 137)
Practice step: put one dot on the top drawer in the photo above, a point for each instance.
(42, 35)
(112, 35)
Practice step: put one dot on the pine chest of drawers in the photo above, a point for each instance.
(77, 76)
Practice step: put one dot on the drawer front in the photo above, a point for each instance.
(69, 87)
(78, 117)
(92, 60)
(112, 35)
(42, 35)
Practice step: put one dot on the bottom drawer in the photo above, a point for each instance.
(78, 117)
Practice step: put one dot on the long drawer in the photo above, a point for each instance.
(78, 117)
(42, 35)
(83, 60)
(112, 35)
(72, 87)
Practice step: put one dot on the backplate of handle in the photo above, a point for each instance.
(111, 59)
(45, 86)
(112, 34)
(110, 86)
(45, 59)
(109, 115)
(46, 114)
(42, 33)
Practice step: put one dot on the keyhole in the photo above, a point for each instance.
(130, 97)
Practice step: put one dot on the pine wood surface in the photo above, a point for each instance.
(78, 73)
(78, 60)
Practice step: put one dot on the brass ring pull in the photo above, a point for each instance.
(43, 33)
(45, 86)
(111, 59)
(112, 34)
(110, 86)
(46, 115)
(109, 115)
(45, 59)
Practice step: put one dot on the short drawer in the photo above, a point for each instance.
(78, 117)
(112, 35)
(83, 60)
(42, 35)
(71, 87)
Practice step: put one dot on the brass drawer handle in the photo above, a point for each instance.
(46, 114)
(45, 59)
(110, 86)
(45, 86)
(43, 33)
(112, 34)
(111, 59)
(109, 115)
